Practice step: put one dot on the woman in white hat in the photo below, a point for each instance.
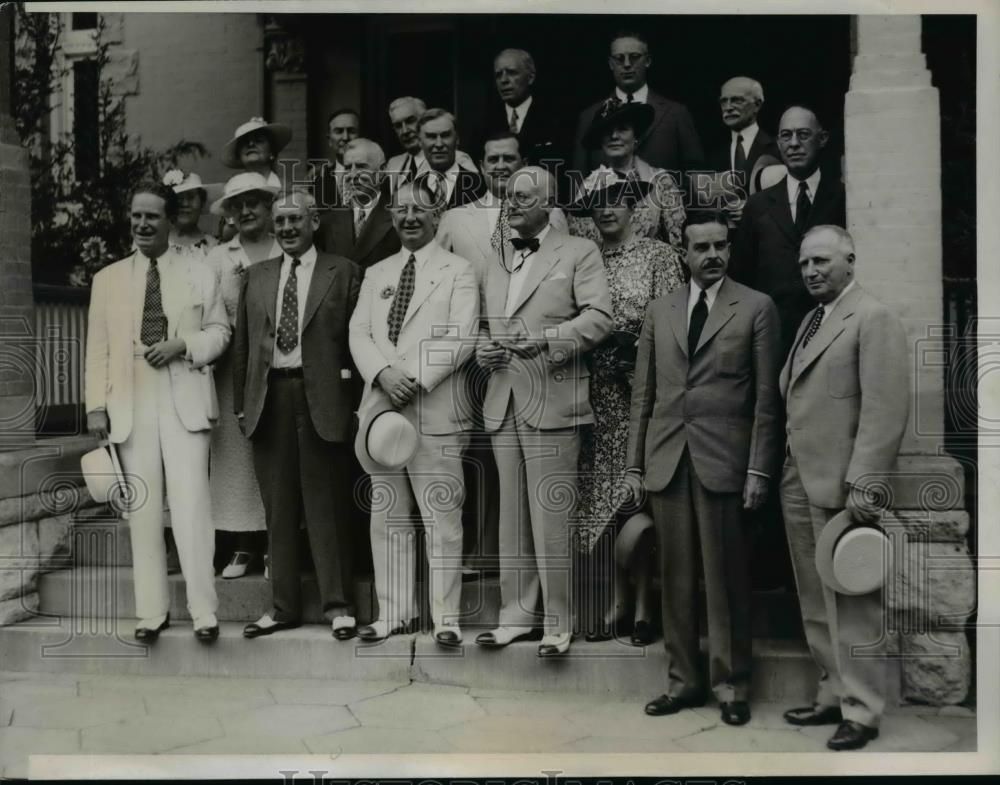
(192, 197)
(236, 503)
(255, 146)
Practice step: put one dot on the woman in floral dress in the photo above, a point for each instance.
(639, 269)
(186, 235)
(615, 131)
(236, 502)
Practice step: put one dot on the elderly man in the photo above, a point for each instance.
(452, 183)
(545, 305)
(343, 125)
(702, 442)
(740, 100)
(156, 323)
(846, 390)
(294, 395)
(361, 229)
(540, 133)
(671, 141)
(412, 331)
(404, 114)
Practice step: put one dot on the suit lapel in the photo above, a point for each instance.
(172, 279)
(544, 260)
(828, 333)
(659, 112)
(428, 280)
(722, 311)
(324, 274)
(780, 210)
(678, 316)
(823, 201)
(481, 235)
(270, 275)
(497, 286)
(374, 229)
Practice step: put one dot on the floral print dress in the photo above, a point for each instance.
(638, 271)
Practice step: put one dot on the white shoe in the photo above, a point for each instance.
(238, 565)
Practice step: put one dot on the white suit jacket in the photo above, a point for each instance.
(437, 336)
(195, 312)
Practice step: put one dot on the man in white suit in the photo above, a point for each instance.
(157, 321)
(476, 231)
(545, 303)
(412, 329)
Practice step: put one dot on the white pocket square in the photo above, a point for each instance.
(557, 277)
(345, 373)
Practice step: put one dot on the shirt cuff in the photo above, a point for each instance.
(759, 474)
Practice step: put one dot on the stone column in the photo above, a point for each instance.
(287, 95)
(892, 127)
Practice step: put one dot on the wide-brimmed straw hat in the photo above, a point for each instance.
(181, 182)
(102, 472)
(615, 112)
(853, 558)
(280, 135)
(242, 183)
(387, 439)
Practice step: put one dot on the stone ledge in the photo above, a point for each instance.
(937, 667)
(934, 587)
(25, 472)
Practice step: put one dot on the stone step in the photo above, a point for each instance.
(85, 592)
(783, 670)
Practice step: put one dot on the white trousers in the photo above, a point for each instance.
(160, 446)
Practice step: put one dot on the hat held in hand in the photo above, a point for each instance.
(103, 475)
(853, 558)
(386, 437)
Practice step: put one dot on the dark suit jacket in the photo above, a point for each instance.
(326, 192)
(331, 382)
(766, 251)
(671, 142)
(377, 240)
(722, 404)
(542, 135)
(763, 144)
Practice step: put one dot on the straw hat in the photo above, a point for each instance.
(240, 184)
(280, 135)
(386, 438)
(103, 475)
(180, 182)
(852, 558)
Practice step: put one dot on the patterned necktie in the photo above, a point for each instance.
(698, 317)
(814, 325)
(802, 205)
(359, 222)
(288, 322)
(501, 232)
(154, 321)
(739, 157)
(513, 121)
(404, 291)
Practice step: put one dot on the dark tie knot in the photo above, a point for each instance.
(525, 243)
(296, 261)
(703, 298)
(803, 188)
(629, 98)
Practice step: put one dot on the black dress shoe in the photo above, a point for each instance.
(851, 735)
(345, 633)
(667, 704)
(735, 713)
(448, 638)
(150, 634)
(642, 634)
(207, 634)
(598, 636)
(814, 715)
(255, 630)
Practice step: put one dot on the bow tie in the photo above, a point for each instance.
(522, 243)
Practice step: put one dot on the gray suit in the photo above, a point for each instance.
(698, 425)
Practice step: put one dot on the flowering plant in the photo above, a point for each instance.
(387, 292)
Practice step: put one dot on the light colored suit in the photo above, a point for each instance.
(847, 400)
(437, 335)
(397, 171)
(161, 418)
(534, 408)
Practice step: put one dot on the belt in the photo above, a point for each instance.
(288, 373)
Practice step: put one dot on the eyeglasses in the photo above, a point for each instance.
(628, 58)
(802, 134)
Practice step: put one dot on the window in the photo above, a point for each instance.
(86, 150)
(83, 22)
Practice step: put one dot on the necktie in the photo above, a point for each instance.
(359, 221)
(513, 121)
(813, 328)
(739, 157)
(404, 291)
(802, 205)
(629, 98)
(520, 243)
(698, 317)
(154, 321)
(288, 322)
(409, 170)
(501, 232)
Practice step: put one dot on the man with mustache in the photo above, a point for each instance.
(156, 323)
(294, 393)
(702, 436)
(452, 183)
(404, 115)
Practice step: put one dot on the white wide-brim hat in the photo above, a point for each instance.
(103, 475)
(386, 439)
(766, 172)
(280, 134)
(853, 558)
(180, 182)
(242, 183)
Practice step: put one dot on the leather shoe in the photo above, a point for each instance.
(668, 704)
(150, 634)
(344, 628)
(207, 634)
(735, 713)
(265, 625)
(504, 636)
(554, 645)
(598, 635)
(448, 638)
(851, 735)
(642, 634)
(379, 630)
(814, 715)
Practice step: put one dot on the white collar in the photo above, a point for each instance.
(521, 109)
(749, 134)
(793, 186)
(305, 261)
(640, 96)
(140, 256)
(422, 254)
(710, 293)
(540, 235)
(828, 307)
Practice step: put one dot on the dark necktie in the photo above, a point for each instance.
(521, 243)
(629, 98)
(813, 328)
(802, 206)
(404, 291)
(698, 317)
(410, 170)
(513, 121)
(739, 157)
(154, 321)
(288, 322)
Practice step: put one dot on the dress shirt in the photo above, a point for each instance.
(525, 259)
(749, 134)
(449, 177)
(398, 260)
(522, 112)
(828, 307)
(710, 294)
(361, 214)
(812, 181)
(639, 96)
(304, 273)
